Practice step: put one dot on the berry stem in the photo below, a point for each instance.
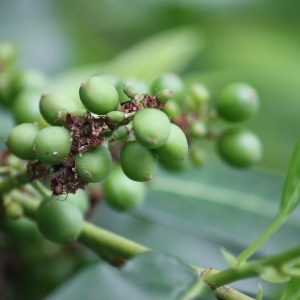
(271, 229)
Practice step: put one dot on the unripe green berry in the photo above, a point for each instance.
(7, 55)
(151, 127)
(29, 79)
(197, 130)
(129, 90)
(20, 140)
(163, 96)
(14, 211)
(113, 79)
(55, 105)
(94, 165)
(169, 81)
(197, 97)
(122, 193)
(172, 109)
(80, 200)
(138, 162)
(26, 107)
(98, 95)
(121, 132)
(174, 166)
(59, 221)
(52, 144)
(239, 147)
(197, 156)
(140, 87)
(238, 102)
(176, 146)
(116, 116)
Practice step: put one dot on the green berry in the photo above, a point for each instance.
(98, 95)
(113, 79)
(197, 97)
(121, 132)
(20, 140)
(26, 107)
(172, 109)
(140, 87)
(28, 80)
(122, 193)
(116, 116)
(7, 55)
(239, 147)
(174, 166)
(169, 81)
(138, 162)
(55, 105)
(129, 90)
(238, 102)
(80, 200)
(94, 165)
(197, 156)
(176, 146)
(52, 144)
(163, 96)
(59, 221)
(151, 127)
(197, 130)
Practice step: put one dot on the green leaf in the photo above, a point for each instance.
(259, 295)
(291, 190)
(146, 276)
(229, 258)
(291, 291)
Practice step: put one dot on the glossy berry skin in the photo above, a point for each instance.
(122, 193)
(238, 102)
(176, 146)
(20, 140)
(52, 144)
(94, 165)
(59, 221)
(151, 127)
(138, 162)
(170, 81)
(98, 95)
(54, 106)
(239, 147)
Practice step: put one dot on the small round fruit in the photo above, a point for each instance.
(238, 102)
(98, 95)
(138, 162)
(198, 130)
(122, 193)
(139, 86)
(169, 81)
(94, 165)
(174, 166)
(20, 140)
(239, 147)
(197, 97)
(52, 144)
(176, 146)
(172, 109)
(80, 200)
(26, 107)
(59, 221)
(54, 106)
(151, 127)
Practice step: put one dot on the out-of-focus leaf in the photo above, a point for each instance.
(146, 276)
(291, 291)
(167, 51)
(291, 190)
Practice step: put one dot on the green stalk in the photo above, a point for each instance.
(253, 268)
(272, 228)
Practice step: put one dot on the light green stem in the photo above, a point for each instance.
(251, 269)
(272, 228)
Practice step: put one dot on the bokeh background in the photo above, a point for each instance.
(220, 41)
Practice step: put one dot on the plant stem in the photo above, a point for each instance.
(108, 244)
(252, 269)
(272, 228)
